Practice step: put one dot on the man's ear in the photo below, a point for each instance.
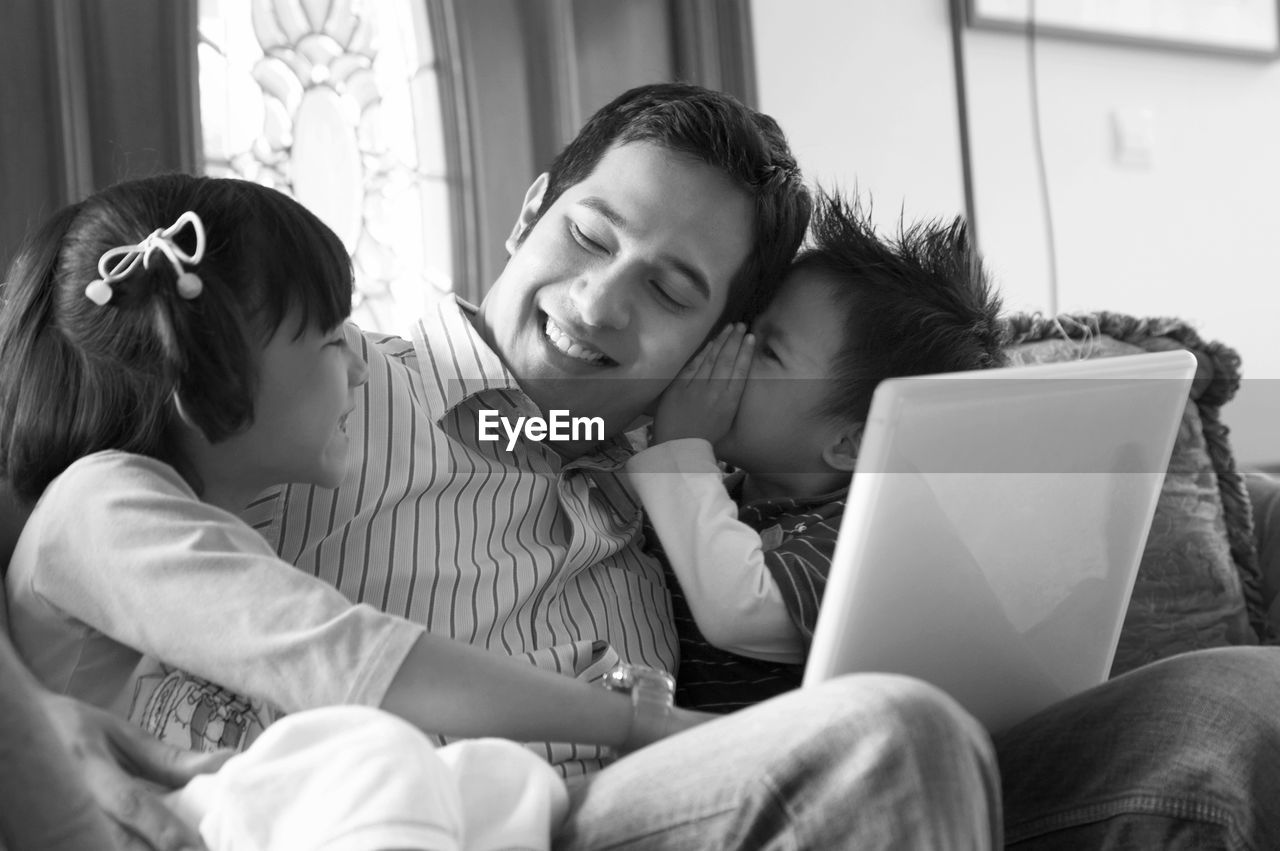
(532, 201)
(841, 453)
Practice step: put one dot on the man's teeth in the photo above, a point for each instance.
(571, 347)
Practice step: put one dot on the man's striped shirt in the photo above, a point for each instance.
(519, 552)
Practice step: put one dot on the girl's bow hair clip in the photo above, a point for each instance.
(189, 283)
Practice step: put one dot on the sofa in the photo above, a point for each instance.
(1204, 579)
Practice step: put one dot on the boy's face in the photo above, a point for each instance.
(777, 431)
(619, 282)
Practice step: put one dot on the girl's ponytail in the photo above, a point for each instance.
(34, 358)
(78, 376)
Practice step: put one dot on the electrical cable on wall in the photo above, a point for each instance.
(956, 21)
(1038, 146)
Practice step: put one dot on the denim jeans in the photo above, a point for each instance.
(1181, 754)
(867, 761)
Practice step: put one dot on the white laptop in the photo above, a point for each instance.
(994, 527)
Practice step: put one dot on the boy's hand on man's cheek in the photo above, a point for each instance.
(703, 399)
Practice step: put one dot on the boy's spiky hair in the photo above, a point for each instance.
(915, 304)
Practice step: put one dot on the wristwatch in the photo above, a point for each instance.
(652, 699)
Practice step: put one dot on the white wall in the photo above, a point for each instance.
(865, 90)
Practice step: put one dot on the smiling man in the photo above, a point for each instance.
(625, 274)
(674, 210)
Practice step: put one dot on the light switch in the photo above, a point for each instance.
(1133, 136)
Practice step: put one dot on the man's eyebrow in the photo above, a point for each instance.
(688, 270)
(602, 207)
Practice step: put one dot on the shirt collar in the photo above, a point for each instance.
(454, 360)
(456, 364)
(733, 484)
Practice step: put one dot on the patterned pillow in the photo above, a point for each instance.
(1198, 584)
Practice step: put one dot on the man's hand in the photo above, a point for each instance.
(126, 771)
(703, 399)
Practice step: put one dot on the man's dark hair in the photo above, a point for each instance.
(916, 304)
(717, 129)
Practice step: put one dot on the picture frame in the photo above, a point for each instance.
(1247, 29)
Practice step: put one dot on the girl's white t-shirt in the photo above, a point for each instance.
(128, 592)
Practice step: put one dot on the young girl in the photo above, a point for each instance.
(168, 348)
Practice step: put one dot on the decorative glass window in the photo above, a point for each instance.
(337, 103)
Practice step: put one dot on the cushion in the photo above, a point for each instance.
(1198, 583)
(1264, 496)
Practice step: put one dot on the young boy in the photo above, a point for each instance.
(748, 554)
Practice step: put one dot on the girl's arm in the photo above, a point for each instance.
(719, 560)
(166, 575)
(448, 687)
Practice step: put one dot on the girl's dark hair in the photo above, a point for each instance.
(77, 378)
(915, 304)
(717, 129)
